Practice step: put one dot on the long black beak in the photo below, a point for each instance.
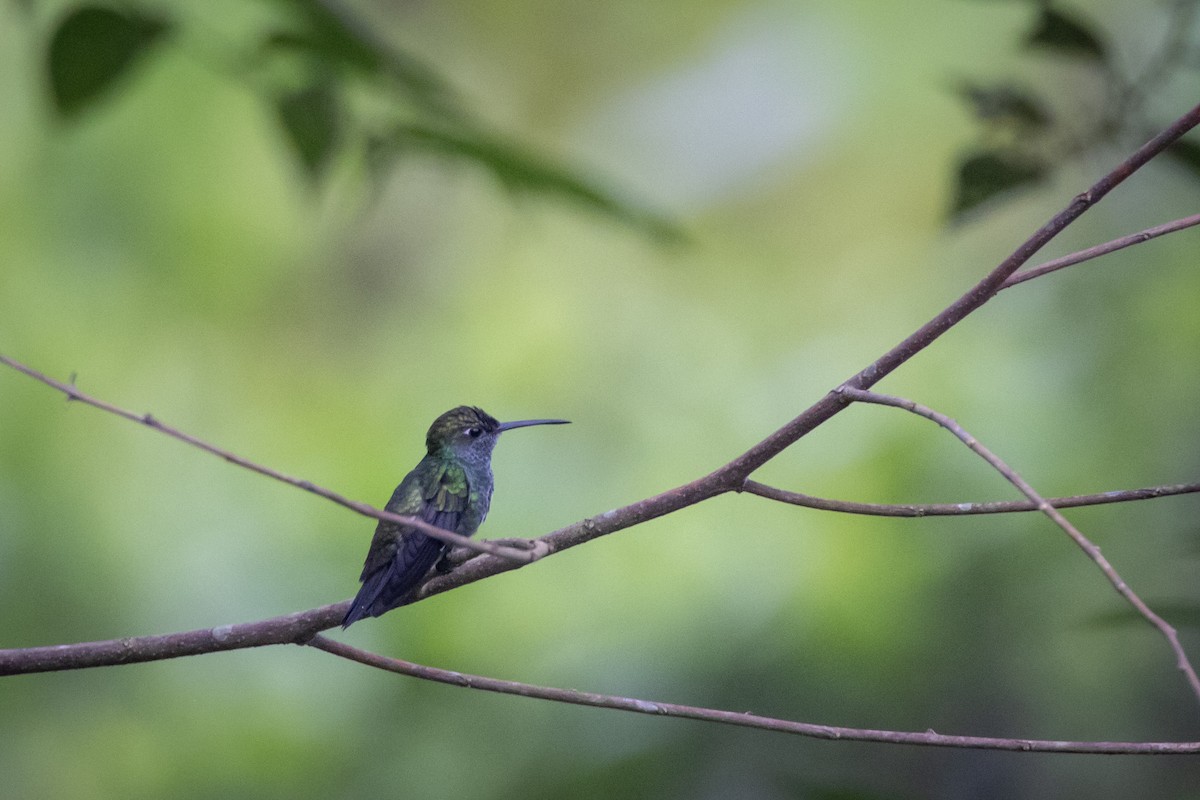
(508, 426)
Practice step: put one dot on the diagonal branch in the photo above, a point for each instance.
(1092, 551)
(733, 473)
(928, 738)
(522, 556)
(962, 509)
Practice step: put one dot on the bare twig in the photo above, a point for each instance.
(302, 628)
(962, 509)
(732, 474)
(1092, 551)
(741, 718)
(289, 628)
(1079, 257)
(523, 555)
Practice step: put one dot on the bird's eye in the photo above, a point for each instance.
(474, 433)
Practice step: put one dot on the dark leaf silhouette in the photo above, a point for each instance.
(983, 176)
(1006, 103)
(311, 118)
(520, 170)
(92, 48)
(1057, 32)
(344, 44)
(1186, 153)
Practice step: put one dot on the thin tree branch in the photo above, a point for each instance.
(523, 556)
(743, 719)
(1092, 551)
(289, 628)
(302, 628)
(732, 474)
(1079, 257)
(962, 509)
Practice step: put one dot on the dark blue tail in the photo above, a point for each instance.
(390, 586)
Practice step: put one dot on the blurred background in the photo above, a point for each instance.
(302, 235)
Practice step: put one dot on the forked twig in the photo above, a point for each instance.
(743, 719)
(963, 509)
(1079, 257)
(1011, 475)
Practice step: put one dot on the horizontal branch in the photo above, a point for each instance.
(962, 509)
(1023, 486)
(289, 628)
(303, 627)
(1079, 257)
(522, 555)
(740, 718)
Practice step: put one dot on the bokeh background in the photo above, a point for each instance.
(168, 249)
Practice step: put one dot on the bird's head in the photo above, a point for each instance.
(470, 432)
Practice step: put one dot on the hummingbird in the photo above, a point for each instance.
(451, 488)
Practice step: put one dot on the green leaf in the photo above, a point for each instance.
(341, 42)
(94, 47)
(1006, 103)
(1057, 32)
(311, 117)
(1187, 154)
(337, 44)
(521, 171)
(985, 175)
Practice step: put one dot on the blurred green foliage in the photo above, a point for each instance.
(312, 294)
(1101, 99)
(335, 86)
(91, 49)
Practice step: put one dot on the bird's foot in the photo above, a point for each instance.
(461, 555)
(516, 544)
(535, 547)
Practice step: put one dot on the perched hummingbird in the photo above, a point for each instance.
(451, 488)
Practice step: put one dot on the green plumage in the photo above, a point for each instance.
(451, 488)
